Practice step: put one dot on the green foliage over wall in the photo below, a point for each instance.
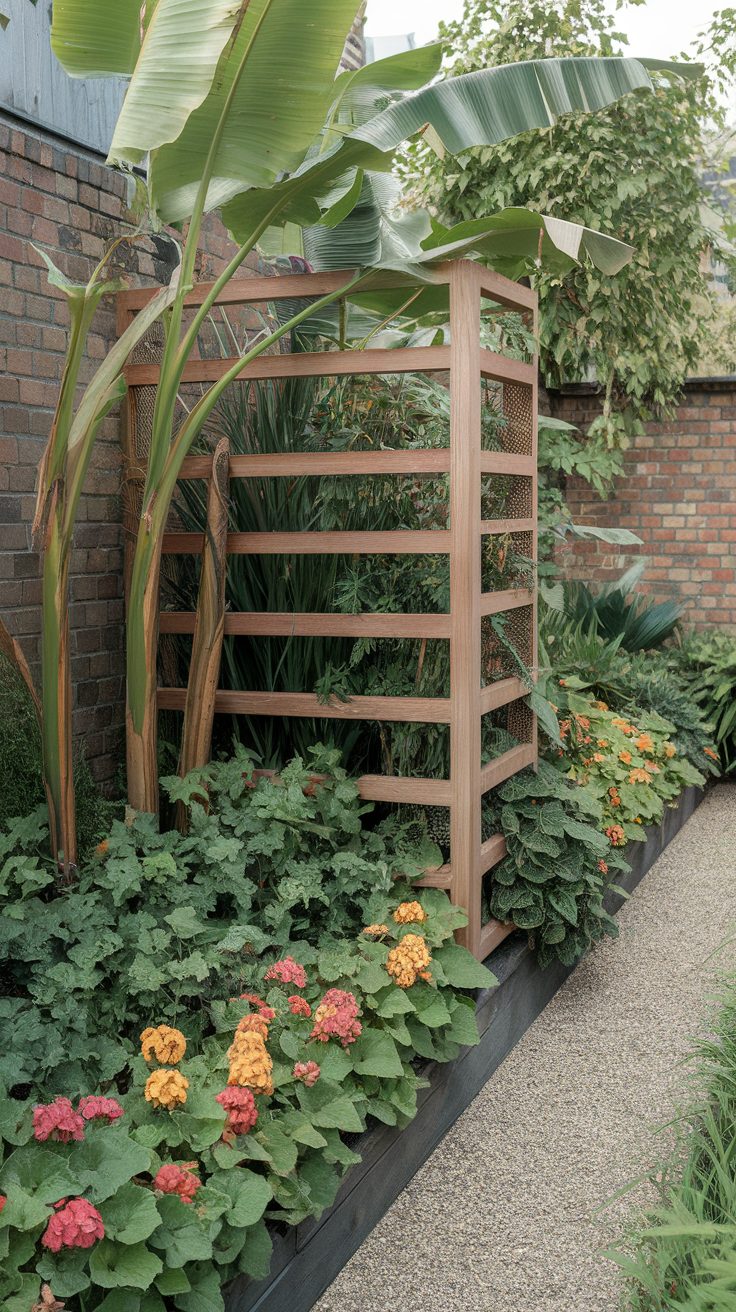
(630, 171)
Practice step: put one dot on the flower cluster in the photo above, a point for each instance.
(409, 961)
(166, 1088)
(337, 1017)
(288, 971)
(306, 1071)
(175, 1179)
(96, 1108)
(241, 1109)
(163, 1044)
(251, 1066)
(299, 1006)
(261, 1007)
(375, 931)
(76, 1224)
(409, 912)
(57, 1120)
(253, 1024)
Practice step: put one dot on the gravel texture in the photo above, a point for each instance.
(501, 1218)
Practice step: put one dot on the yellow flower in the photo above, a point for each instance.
(250, 1064)
(164, 1044)
(254, 1024)
(670, 750)
(638, 777)
(375, 931)
(166, 1088)
(408, 912)
(409, 959)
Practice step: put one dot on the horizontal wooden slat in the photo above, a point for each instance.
(391, 788)
(504, 291)
(295, 464)
(305, 364)
(491, 935)
(404, 710)
(316, 624)
(488, 526)
(503, 370)
(496, 772)
(491, 852)
(404, 542)
(246, 291)
(502, 462)
(501, 693)
(439, 878)
(492, 603)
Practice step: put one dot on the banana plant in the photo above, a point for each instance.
(234, 104)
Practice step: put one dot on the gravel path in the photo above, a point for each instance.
(500, 1218)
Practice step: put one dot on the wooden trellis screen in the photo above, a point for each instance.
(467, 363)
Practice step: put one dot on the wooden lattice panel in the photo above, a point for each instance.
(479, 685)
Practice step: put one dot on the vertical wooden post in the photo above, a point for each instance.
(465, 589)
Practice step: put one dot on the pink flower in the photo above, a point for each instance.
(337, 1017)
(3, 1201)
(96, 1108)
(299, 1006)
(262, 1007)
(241, 1109)
(287, 971)
(174, 1179)
(57, 1120)
(306, 1071)
(76, 1224)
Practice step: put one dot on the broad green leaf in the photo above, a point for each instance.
(130, 1215)
(273, 89)
(94, 40)
(181, 1234)
(357, 91)
(249, 1195)
(107, 1159)
(462, 970)
(65, 1272)
(255, 1259)
(375, 1053)
(113, 1266)
(23, 1211)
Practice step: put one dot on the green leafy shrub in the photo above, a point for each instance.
(21, 778)
(707, 663)
(633, 770)
(302, 1077)
(557, 867)
(159, 921)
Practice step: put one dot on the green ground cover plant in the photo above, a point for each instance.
(193, 1026)
(707, 664)
(683, 1255)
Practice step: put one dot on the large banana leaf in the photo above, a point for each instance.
(357, 92)
(96, 40)
(263, 111)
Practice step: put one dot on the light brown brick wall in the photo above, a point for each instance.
(678, 494)
(73, 205)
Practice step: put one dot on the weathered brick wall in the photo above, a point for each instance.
(678, 494)
(68, 202)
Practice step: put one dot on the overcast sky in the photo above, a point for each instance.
(660, 28)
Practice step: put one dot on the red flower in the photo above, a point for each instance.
(299, 1006)
(174, 1179)
(241, 1109)
(337, 1017)
(57, 1120)
(3, 1201)
(77, 1224)
(306, 1071)
(96, 1108)
(287, 971)
(262, 1007)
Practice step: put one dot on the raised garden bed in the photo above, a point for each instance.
(307, 1257)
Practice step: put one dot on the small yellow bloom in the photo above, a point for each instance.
(163, 1043)
(408, 912)
(166, 1088)
(375, 931)
(250, 1064)
(409, 959)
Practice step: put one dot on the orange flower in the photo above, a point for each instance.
(250, 1063)
(616, 835)
(409, 912)
(165, 1088)
(602, 742)
(375, 931)
(598, 756)
(625, 757)
(638, 777)
(670, 750)
(408, 961)
(101, 849)
(603, 867)
(601, 706)
(707, 750)
(164, 1043)
(583, 721)
(254, 1024)
(644, 742)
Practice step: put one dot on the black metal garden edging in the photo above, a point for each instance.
(307, 1257)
